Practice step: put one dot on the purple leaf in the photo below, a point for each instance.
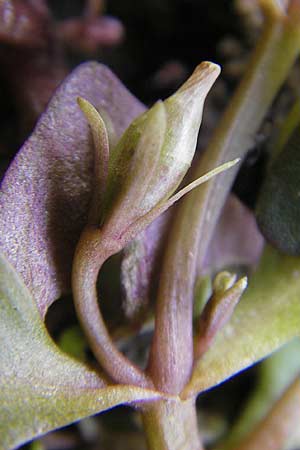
(139, 267)
(236, 239)
(45, 194)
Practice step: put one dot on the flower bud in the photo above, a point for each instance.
(155, 152)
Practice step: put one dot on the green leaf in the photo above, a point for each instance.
(267, 317)
(73, 342)
(41, 388)
(274, 376)
(278, 208)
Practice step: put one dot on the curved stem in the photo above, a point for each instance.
(91, 253)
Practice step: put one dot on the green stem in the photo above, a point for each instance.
(171, 356)
(171, 425)
(269, 66)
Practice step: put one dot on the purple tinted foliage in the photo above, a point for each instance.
(237, 240)
(45, 193)
(140, 267)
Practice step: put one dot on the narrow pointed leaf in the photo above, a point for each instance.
(162, 207)
(41, 388)
(203, 179)
(45, 194)
(267, 317)
(101, 157)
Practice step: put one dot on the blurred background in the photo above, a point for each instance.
(152, 45)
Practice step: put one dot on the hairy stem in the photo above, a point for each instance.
(171, 425)
(171, 355)
(92, 251)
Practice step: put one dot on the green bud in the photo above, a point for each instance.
(150, 160)
(223, 281)
(157, 149)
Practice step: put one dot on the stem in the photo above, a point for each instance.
(269, 66)
(279, 425)
(171, 425)
(171, 355)
(92, 251)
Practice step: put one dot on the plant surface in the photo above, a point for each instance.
(101, 180)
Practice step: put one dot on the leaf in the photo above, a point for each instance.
(139, 267)
(274, 376)
(41, 388)
(141, 258)
(281, 424)
(278, 208)
(267, 317)
(236, 240)
(45, 193)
